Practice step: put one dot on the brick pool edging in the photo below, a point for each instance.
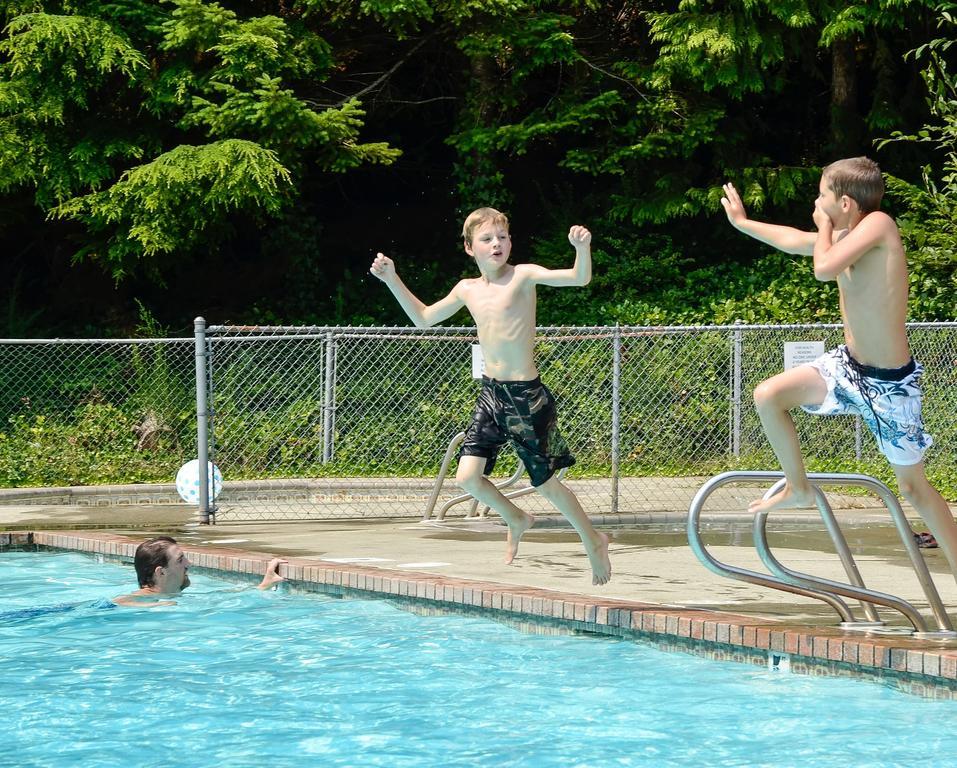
(921, 667)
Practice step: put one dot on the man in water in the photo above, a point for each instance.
(162, 570)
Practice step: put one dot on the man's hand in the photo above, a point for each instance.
(383, 268)
(733, 206)
(821, 219)
(579, 237)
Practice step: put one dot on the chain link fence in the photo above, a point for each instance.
(80, 414)
(354, 422)
(319, 423)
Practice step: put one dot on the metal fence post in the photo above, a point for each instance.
(202, 419)
(615, 416)
(329, 397)
(736, 354)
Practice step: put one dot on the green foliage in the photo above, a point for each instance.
(542, 40)
(93, 413)
(156, 136)
(96, 445)
(640, 118)
(243, 91)
(405, 17)
(82, 51)
(169, 203)
(161, 397)
(195, 26)
(738, 49)
(54, 69)
(929, 230)
(100, 104)
(660, 283)
(853, 20)
(283, 121)
(929, 221)
(775, 289)
(682, 97)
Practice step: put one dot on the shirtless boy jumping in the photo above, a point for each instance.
(872, 373)
(513, 403)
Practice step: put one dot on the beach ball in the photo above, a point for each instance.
(187, 481)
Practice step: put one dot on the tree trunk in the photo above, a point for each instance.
(846, 128)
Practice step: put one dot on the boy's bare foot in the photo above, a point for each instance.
(786, 499)
(600, 562)
(515, 532)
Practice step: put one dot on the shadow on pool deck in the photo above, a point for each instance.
(651, 563)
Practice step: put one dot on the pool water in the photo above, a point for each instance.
(233, 676)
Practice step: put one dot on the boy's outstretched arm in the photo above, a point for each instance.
(578, 275)
(787, 239)
(423, 316)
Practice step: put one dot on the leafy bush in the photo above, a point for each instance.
(98, 444)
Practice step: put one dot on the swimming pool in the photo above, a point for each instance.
(237, 677)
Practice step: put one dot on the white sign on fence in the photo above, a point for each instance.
(478, 362)
(801, 352)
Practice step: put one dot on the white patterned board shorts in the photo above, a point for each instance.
(888, 400)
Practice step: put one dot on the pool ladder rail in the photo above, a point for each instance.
(443, 472)
(826, 590)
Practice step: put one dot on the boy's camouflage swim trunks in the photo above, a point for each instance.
(523, 412)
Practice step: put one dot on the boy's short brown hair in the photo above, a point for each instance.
(859, 178)
(479, 217)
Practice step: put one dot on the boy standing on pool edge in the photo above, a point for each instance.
(872, 373)
(513, 403)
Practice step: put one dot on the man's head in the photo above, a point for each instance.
(859, 179)
(162, 565)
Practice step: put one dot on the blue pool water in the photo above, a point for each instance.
(239, 677)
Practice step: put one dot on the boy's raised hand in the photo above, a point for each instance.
(383, 267)
(821, 217)
(733, 205)
(579, 236)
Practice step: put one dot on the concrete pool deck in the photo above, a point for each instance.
(658, 587)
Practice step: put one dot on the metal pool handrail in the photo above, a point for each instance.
(443, 471)
(858, 591)
(840, 544)
(743, 574)
(792, 581)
